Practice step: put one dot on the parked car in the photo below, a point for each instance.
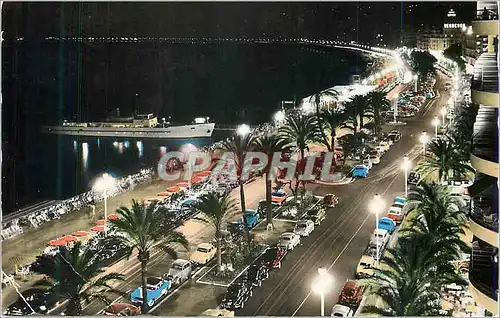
(395, 135)
(218, 312)
(188, 204)
(351, 294)
(236, 296)
(40, 300)
(303, 227)
(289, 240)
(395, 213)
(330, 200)
(256, 274)
(278, 196)
(179, 272)
(252, 217)
(401, 200)
(157, 287)
(204, 253)
(413, 178)
(367, 163)
(359, 171)
(382, 235)
(262, 208)
(121, 309)
(374, 159)
(365, 266)
(317, 215)
(273, 257)
(386, 223)
(342, 311)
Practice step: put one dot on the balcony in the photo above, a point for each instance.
(486, 21)
(485, 136)
(483, 209)
(483, 274)
(484, 85)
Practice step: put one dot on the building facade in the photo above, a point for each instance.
(434, 42)
(483, 267)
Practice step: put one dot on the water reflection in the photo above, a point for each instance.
(85, 155)
(98, 143)
(140, 147)
(163, 150)
(126, 144)
(120, 148)
(75, 145)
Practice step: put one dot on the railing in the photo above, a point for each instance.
(483, 212)
(485, 136)
(483, 271)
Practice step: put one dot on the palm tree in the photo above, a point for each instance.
(269, 144)
(411, 276)
(442, 158)
(356, 108)
(143, 229)
(333, 119)
(438, 214)
(317, 100)
(239, 146)
(75, 275)
(214, 210)
(377, 103)
(300, 130)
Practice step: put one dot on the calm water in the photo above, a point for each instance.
(231, 83)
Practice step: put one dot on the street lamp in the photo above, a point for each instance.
(415, 78)
(243, 130)
(396, 107)
(424, 139)
(443, 114)
(435, 123)
(164, 121)
(102, 185)
(406, 167)
(321, 285)
(377, 205)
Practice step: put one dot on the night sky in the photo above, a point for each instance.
(360, 21)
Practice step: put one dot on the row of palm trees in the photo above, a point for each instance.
(412, 274)
(143, 229)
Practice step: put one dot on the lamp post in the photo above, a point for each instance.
(377, 205)
(321, 285)
(396, 107)
(102, 185)
(406, 167)
(435, 123)
(416, 82)
(424, 139)
(443, 114)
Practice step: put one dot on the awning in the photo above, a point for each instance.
(68, 238)
(100, 222)
(482, 183)
(98, 228)
(174, 189)
(81, 233)
(56, 243)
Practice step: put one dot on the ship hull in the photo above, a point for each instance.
(173, 132)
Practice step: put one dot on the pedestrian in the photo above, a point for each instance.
(485, 15)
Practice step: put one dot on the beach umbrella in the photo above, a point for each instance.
(204, 173)
(113, 217)
(81, 233)
(56, 243)
(68, 238)
(97, 228)
(174, 189)
(100, 222)
(184, 185)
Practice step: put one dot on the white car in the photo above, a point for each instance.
(384, 145)
(374, 159)
(382, 235)
(289, 240)
(204, 253)
(366, 267)
(368, 163)
(304, 227)
(342, 311)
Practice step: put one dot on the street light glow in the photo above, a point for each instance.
(279, 116)
(321, 285)
(435, 122)
(243, 130)
(377, 204)
(104, 183)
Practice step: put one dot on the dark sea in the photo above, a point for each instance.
(47, 83)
